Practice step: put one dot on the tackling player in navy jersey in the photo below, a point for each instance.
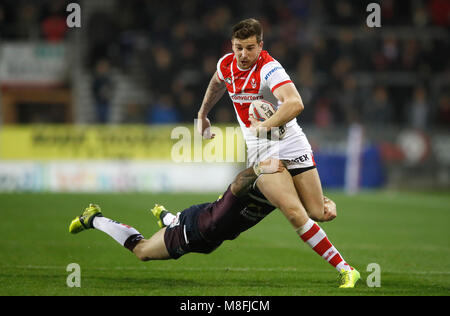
(200, 228)
(203, 227)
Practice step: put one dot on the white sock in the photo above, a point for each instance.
(168, 219)
(120, 232)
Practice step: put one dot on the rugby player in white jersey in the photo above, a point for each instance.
(250, 73)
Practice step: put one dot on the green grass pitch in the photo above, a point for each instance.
(405, 233)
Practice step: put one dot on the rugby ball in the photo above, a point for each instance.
(261, 110)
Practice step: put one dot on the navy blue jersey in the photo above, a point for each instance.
(203, 227)
(229, 216)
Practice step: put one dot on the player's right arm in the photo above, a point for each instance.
(214, 92)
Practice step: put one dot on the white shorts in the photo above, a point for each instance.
(294, 149)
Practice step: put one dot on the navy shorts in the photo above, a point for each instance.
(183, 235)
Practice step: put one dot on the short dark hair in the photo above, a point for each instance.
(247, 28)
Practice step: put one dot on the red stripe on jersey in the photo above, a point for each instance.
(235, 79)
(256, 113)
(322, 246)
(336, 260)
(311, 232)
(314, 162)
(241, 77)
(242, 110)
(280, 84)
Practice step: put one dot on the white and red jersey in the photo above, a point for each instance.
(258, 83)
(255, 83)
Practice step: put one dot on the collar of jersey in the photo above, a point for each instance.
(249, 68)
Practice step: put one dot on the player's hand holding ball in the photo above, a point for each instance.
(258, 112)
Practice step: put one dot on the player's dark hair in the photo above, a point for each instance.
(247, 28)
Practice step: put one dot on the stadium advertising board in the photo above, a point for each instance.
(29, 63)
(178, 144)
(132, 158)
(113, 176)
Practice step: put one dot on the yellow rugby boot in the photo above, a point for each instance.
(84, 221)
(348, 279)
(159, 211)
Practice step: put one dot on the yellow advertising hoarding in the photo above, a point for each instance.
(178, 143)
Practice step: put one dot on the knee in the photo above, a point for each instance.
(139, 251)
(142, 257)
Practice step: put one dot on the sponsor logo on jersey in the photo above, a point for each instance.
(302, 158)
(272, 71)
(253, 212)
(240, 97)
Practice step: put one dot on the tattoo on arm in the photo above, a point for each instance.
(215, 90)
(243, 182)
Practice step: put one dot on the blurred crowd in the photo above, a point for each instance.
(33, 20)
(345, 71)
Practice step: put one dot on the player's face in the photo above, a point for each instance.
(246, 51)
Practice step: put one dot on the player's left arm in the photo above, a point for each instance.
(245, 179)
(291, 106)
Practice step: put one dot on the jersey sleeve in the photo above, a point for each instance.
(219, 67)
(273, 75)
(219, 71)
